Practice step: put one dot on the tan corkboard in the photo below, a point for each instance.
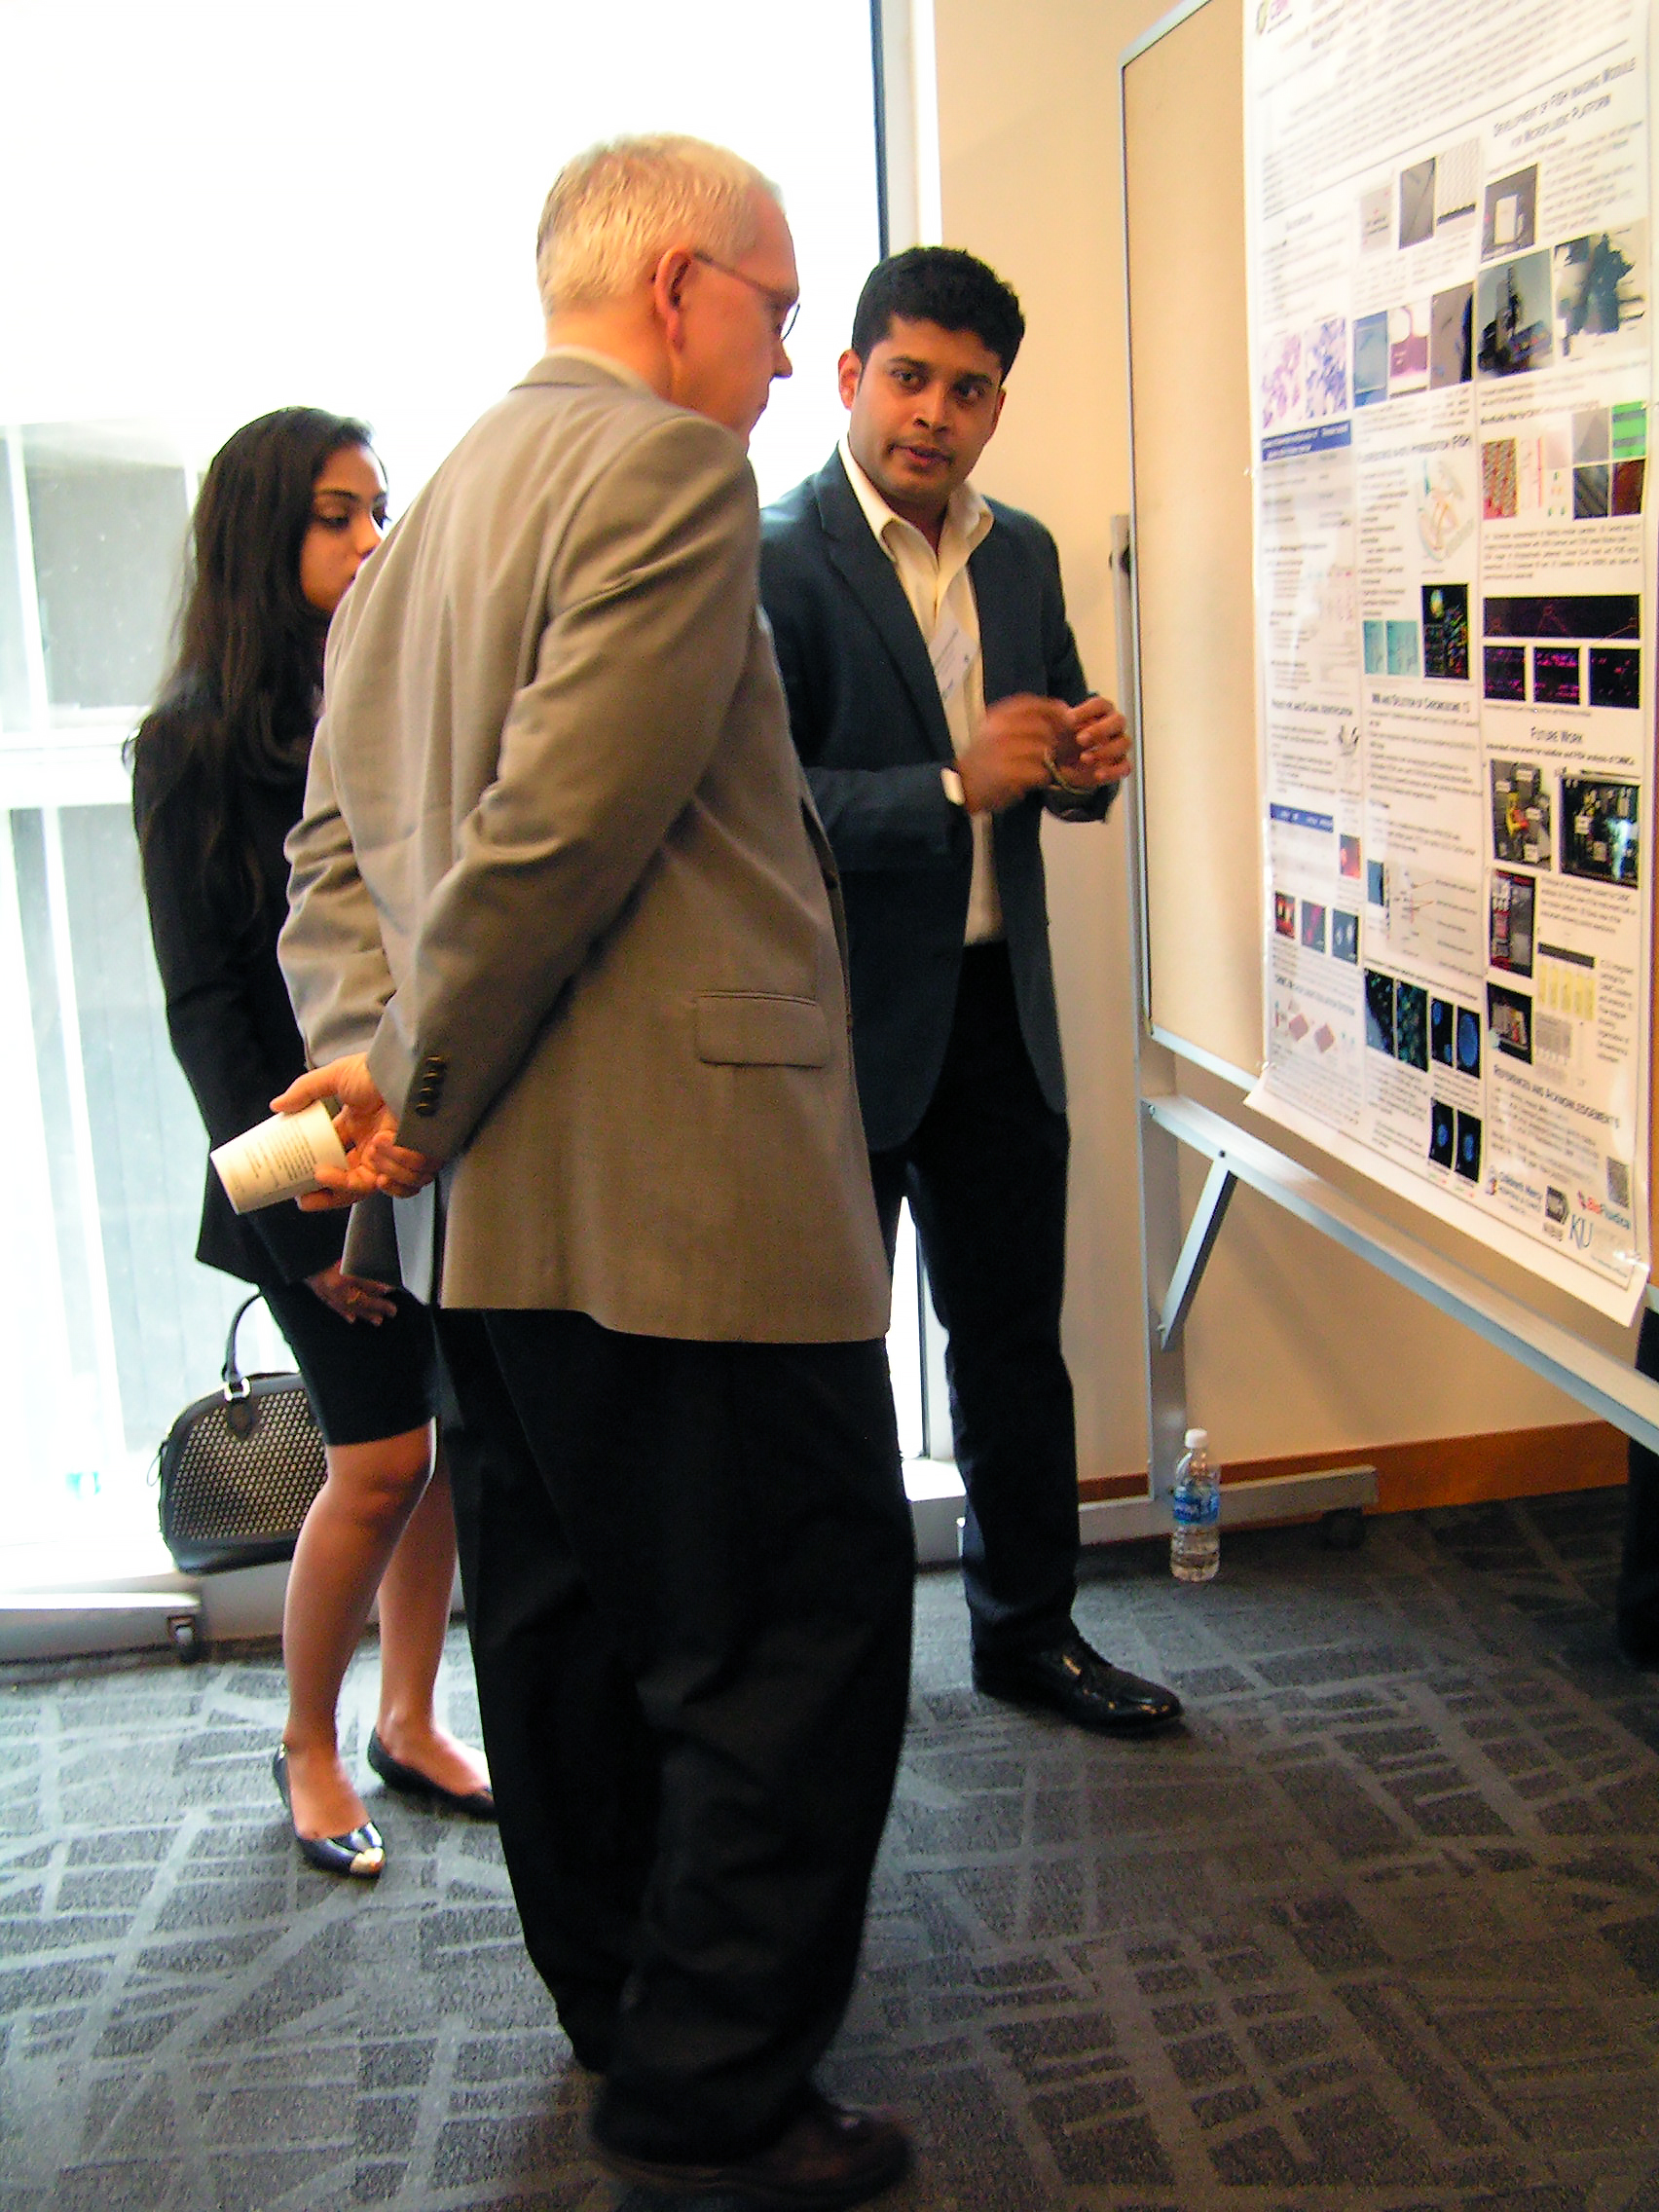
(1190, 396)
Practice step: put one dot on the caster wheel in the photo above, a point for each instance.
(1342, 1528)
(185, 1631)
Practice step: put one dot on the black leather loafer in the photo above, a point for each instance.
(1072, 1679)
(479, 1803)
(830, 2156)
(359, 1853)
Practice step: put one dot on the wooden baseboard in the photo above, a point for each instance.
(1448, 1470)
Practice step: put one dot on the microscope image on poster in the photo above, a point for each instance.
(1601, 830)
(1514, 310)
(1599, 298)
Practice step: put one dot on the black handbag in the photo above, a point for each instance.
(240, 1469)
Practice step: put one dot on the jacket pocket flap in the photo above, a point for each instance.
(748, 1027)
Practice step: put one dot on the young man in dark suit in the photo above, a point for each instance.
(937, 702)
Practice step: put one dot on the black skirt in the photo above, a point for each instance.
(364, 1382)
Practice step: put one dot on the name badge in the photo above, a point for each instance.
(952, 655)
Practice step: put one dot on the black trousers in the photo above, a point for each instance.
(985, 1175)
(1638, 1598)
(688, 1574)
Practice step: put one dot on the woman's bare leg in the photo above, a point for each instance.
(349, 1536)
(414, 1617)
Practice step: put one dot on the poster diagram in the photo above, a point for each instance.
(1450, 309)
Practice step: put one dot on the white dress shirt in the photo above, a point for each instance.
(941, 595)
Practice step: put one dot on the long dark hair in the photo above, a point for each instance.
(239, 700)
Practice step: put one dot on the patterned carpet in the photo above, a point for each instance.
(1379, 1930)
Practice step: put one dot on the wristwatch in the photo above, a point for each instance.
(953, 791)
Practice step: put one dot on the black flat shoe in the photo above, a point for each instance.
(480, 1804)
(1071, 1679)
(359, 1854)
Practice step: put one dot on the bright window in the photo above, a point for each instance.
(207, 210)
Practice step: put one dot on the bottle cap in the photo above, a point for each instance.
(1197, 1438)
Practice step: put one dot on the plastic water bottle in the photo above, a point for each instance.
(1195, 1547)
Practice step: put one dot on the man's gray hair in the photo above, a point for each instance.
(616, 211)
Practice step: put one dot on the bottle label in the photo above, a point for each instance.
(1197, 1506)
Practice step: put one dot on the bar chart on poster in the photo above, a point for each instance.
(1395, 595)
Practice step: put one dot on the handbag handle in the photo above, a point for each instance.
(231, 1374)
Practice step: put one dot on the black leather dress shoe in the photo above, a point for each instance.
(359, 1853)
(832, 2156)
(1071, 1679)
(480, 1803)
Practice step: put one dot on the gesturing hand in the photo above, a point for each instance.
(1095, 749)
(1012, 750)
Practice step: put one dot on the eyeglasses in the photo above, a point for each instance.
(787, 309)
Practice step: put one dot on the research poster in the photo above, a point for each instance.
(1451, 336)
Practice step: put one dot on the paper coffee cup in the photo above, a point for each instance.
(280, 1158)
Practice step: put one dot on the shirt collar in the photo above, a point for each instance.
(967, 518)
(598, 360)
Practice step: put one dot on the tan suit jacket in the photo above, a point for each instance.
(558, 874)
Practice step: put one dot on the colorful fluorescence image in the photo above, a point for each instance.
(1285, 915)
(1468, 1161)
(1344, 936)
(1503, 672)
(1441, 1018)
(1442, 1135)
(1555, 675)
(1380, 1011)
(1411, 1024)
(1348, 860)
(1446, 632)
(1312, 926)
(1615, 676)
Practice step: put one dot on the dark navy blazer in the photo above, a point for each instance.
(865, 715)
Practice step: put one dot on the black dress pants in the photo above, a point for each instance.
(985, 1175)
(689, 1572)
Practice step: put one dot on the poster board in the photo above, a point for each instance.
(1209, 906)
(1183, 124)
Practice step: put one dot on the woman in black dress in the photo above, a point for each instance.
(288, 510)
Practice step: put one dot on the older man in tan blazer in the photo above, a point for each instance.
(563, 908)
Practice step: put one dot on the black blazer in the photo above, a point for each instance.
(867, 720)
(231, 1028)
